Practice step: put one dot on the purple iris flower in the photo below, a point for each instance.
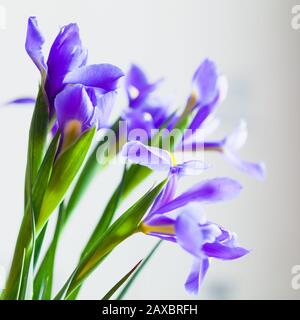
(188, 227)
(66, 64)
(204, 240)
(209, 89)
(144, 112)
(228, 148)
(180, 219)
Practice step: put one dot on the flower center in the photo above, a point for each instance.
(72, 131)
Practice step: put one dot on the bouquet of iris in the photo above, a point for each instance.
(72, 108)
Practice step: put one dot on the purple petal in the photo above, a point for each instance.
(138, 119)
(73, 103)
(103, 76)
(238, 137)
(166, 195)
(197, 275)
(34, 43)
(256, 170)
(66, 54)
(104, 103)
(203, 113)
(220, 251)
(23, 100)
(192, 167)
(138, 86)
(209, 191)
(154, 158)
(205, 82)
(54, 128)
(188, 232)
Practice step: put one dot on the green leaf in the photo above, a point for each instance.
(37, 140)
(139, 270)
(44, 277)
(121, 282)
(107, 216)
(44, 173)
(121, 229)
(64, 171)
(62, 294)
(91, 167)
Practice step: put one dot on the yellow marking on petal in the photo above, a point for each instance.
(167, 229)
(173, 159)
(72, 131)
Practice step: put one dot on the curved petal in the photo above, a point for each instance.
(73, 103)
(66, 54)
(188, 233)
(203, 113)
(34, 43)
(220, 251)
(138, 87)
(104, 104)
(205, 82)
(166, 195)
(103, 76)
(256, 170)
(196, 275)
(238, 137)
(209, 191)
(154, 158)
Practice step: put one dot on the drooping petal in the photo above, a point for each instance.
(34, 43)
(103, 76)
(256, 170)
(154, 158)
(205, 82)
(73, 103)
(196, 275)
(209, 191)
(238, 137)
(221, 251)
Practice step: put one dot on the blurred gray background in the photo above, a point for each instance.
(254, 44)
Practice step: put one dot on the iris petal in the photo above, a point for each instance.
(196, 275)
(73, 103)
(34, 43)
(209, 191)
(220, 251)
(104, 76)
(151, 157)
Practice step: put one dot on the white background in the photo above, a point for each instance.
(255, 46)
